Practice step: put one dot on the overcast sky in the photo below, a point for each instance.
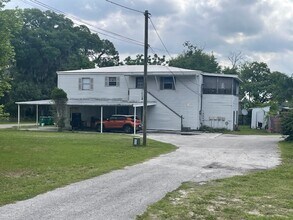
(262, 30)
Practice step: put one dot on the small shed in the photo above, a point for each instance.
(259, 117)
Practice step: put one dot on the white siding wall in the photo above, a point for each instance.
(181, 100)
(185, 100)
(218, 110)
(70, 84)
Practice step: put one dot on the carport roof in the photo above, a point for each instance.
(89, 102)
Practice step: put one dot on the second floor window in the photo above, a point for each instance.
(86, 84)
(112, 81)
(167, 83)
(139, 82)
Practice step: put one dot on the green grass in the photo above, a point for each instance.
(259, 195)
(246, 130)
(35, 162)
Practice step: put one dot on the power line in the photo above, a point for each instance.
(178, 79)
(160, 38)
(116, 36)
(122, 6)
(157, 33)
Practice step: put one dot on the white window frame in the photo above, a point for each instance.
(112, 81)
(163, 83)
(86, 84)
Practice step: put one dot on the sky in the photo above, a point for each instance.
(261, 30)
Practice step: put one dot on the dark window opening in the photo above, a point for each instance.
(167, 83)
(139, 83)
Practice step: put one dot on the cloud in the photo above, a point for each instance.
(262, 30)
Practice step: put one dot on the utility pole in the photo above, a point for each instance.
(145, 90)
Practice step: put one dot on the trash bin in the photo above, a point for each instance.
(46, 120)
(136, 141)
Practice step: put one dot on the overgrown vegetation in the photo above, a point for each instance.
(35, 162)
(260, 195)
(287, 124)
(60, 99)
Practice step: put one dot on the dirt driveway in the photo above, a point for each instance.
(123, 194)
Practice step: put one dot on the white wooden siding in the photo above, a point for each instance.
(181, 100)
(185, 100)
(218, 110)
(160, 117)
(70, 84)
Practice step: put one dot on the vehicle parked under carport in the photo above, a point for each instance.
(124, 123)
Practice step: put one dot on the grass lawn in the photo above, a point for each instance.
(260, 195)
(246, 130)
(35, 162)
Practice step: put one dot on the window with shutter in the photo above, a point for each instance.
(112, 81)
(86, 84)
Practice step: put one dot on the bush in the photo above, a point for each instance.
(287, 124)
(60, 100)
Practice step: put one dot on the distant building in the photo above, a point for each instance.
(259, 117)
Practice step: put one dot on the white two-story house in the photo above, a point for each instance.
(178, 98)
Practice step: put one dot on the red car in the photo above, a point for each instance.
(119, 122)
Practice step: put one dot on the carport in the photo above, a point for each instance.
(86, 103)
(33, 103)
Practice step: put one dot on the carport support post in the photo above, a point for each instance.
(101, 119)
(18, 116)
(134, 119)
(37, 115)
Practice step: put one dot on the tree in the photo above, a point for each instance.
(287, 124)
(281, 88)
(49, 42)
(139, 60)
(261, 86)
(9, 24)
(195, 59)
(235, 58)
(255, 78)
(60, 99)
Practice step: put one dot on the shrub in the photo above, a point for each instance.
(60, 100)
(287, 124)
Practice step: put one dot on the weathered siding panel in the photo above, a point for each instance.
(70, 84)
(218, 110)
(184, 100)
(160, 117)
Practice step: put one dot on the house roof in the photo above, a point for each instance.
(90, 102)
(134, 70)
(223, 75)
(138, 70)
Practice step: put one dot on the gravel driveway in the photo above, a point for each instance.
(123, 194)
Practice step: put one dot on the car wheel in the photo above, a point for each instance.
(127, 128)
